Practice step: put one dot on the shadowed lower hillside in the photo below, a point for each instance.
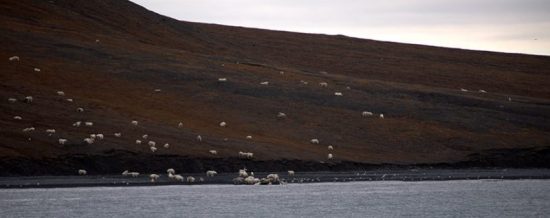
(111, 56)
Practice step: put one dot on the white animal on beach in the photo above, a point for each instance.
(62, 141)
(166, 145)
(154, 177)
(134, 122)
(330, 147)
(158, 90)
(249, 137)
(366, 113)
(178, 178)
(330, 156)
(117, 134)
(291, 173)
(60, 93)
(250, 180)
(213, 152)
(36, 69)
(17, 118)
(464, 90)
(171, 176)
(190, 179)
(145, 136)
(180, 125)
(69, 99)
(482, 91)
(80, 109)
(82, 172)
(138, 142)
(99, 136)
(77, 124)
(14, 58)
(50, 132)
(222, 79)
(12, 100)
(152, 143)
(125, 173)
(314, 141)
(381, 116)
(338, 94)
(88, 123)
(242, 173)
(223, 124)
(323, 84)
(153, 149)
(199, 138)
(273, 177)
(211, 173)
(171, 171)
(92, 136)
(281, 115)
(264, 83)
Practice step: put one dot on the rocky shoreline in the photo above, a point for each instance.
(115, 161)
(106, 169)
(408, 175)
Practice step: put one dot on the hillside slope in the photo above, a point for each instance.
(110, 56)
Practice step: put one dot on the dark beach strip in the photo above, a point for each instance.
(415, 174)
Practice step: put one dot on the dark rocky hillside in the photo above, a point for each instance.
(111, 56)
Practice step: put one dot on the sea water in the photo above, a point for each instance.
(463, 198)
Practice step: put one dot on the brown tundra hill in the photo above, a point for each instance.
(120, 62)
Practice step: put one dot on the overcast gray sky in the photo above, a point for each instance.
(519, 26)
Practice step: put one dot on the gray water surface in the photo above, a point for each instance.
(463, 198)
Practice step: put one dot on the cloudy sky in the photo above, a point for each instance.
(519, 26)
